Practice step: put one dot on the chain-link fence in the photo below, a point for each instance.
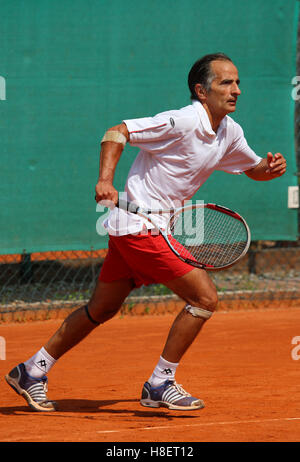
(270, 271)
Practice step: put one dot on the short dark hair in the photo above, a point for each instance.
(201, 72)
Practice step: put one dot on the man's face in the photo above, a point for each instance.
(222, 97)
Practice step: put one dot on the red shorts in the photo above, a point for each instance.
(145, 258)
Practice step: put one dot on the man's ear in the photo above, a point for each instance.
(200, 92)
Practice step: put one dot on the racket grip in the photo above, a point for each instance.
(128, 206)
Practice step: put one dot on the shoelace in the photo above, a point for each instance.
(180, 389)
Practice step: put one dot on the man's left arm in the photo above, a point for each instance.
(273, 166)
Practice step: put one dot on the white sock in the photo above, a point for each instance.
(163, 371)
(40, 364)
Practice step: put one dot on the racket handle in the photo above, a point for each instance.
(128, 206)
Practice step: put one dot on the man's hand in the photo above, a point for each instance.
(269, 168)
(106, 193)
(276, 164)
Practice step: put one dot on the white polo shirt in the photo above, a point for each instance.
(178, 152)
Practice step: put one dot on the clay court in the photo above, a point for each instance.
(243, 365)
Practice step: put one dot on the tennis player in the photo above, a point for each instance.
(179, 150)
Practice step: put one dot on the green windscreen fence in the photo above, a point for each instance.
(70, 69)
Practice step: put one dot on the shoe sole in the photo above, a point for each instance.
(156, 404)
(32, 404)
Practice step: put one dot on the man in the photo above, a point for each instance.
(179, 150)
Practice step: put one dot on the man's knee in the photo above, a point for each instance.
(107, 299)
(100, 313)
(208, 301)
(203, 306)
(212, 301)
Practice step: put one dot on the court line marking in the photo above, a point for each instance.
(203, 424)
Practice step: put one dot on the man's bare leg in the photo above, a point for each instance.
(105, 302)
(28, 379)
(198, 290)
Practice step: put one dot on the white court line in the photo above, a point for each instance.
(203, 424)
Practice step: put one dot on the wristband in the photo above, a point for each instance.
(114, 135)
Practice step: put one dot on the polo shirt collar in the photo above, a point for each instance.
(204, 119)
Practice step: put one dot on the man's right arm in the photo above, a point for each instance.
(109, 157)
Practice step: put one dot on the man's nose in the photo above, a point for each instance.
(236, 89)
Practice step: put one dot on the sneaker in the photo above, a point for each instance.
(33, 390)
(171, 395)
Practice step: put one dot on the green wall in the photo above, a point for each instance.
(74, 68)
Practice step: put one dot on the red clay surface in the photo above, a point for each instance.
(241, 365)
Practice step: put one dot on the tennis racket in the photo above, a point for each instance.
(206, 236)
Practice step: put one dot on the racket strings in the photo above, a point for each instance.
(204, 235)
(229, 235)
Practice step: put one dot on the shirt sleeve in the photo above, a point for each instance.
(239, 157)
(150, 133)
